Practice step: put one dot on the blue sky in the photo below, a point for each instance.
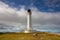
(42, 5)
(45, 15)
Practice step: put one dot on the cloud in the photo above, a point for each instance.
(8, 13)
(45, 17)
(52, 3)
(11, 16)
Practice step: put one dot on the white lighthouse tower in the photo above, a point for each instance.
(29, 23)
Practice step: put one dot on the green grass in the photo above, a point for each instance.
(29, 36)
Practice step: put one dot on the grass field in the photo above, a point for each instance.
(29, 36)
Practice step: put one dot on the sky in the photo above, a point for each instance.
(45, 15)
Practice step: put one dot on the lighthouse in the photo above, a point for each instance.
(29, 28)
(29, 21)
